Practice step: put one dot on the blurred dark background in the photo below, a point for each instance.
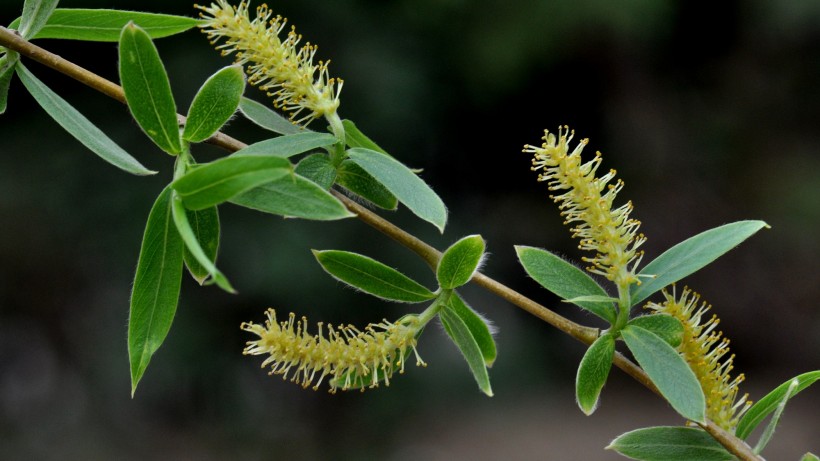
(708, 110)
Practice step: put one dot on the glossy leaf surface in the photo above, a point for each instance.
(35, 16)
(205, 226)
(564, 280)
(192, 244)
(147, 89)
(670, 443)
(408, 188)
(293, 196)
(593, 372)
(691, 255)
(765, 406)
(78, 126)
(460, 261)
(353, 178)
(155, 292)
(266, 118)
(290, 145)
(479, 327)
(372, 277)
(103, 25)
(668, 370)
(460, 333)
(215, 103)
(213, 183)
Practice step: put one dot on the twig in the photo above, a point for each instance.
(586, 335)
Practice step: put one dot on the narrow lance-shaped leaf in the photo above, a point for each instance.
(147, 89)
(667, 369)
(214, 103)
(205, 225)
(479, 327)
(372, 277)
(564, 280)
(466, 343)
(219, 181)
(768, 433)
(353, 178)
(289, 145)
(666, 327)
(192, 244)
(768, 404)
(593, 372)
(156, 287)
(102, 25)
(460, 261)
(295, 197)
(7, 63)
(78, 126)
(35, 15)
(404, 184)
(355, 138)
(268, 119)
(691, 255)
(665, 443)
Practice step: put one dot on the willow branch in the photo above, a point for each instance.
(430, 255)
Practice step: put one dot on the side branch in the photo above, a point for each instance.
(586, 335)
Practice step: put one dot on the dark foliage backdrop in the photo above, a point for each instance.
(707, 109)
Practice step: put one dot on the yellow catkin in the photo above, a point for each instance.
(347, 356)
(705, 350)
(274, 64)
(586, 201)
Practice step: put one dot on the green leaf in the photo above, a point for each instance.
(319, 169)
(214, 103)
(691, 255)
(101, 25)
(372, 277)
(768, 433)
(564, 280)
(666, 327)
(768, 404)
(293, 196)
(78, 126)
(267, 118)
(809, 457)
(192, 244)
(147, 89)
(355, 138)
(7, 65)
(155, 293)
(479, 327)
(667, 369)
(665, 443)
(206, 229)
(219, 181)
(404, 184)
(593, 372)
(290, 145)
(459, 262)
(35, 16)
(353, 178)
(460, 333)
(590, 298)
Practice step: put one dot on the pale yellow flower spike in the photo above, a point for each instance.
(275, 65)
(703, 349)
(348, 356)
(587, 202)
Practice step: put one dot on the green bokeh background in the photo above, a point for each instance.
(707, 110)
